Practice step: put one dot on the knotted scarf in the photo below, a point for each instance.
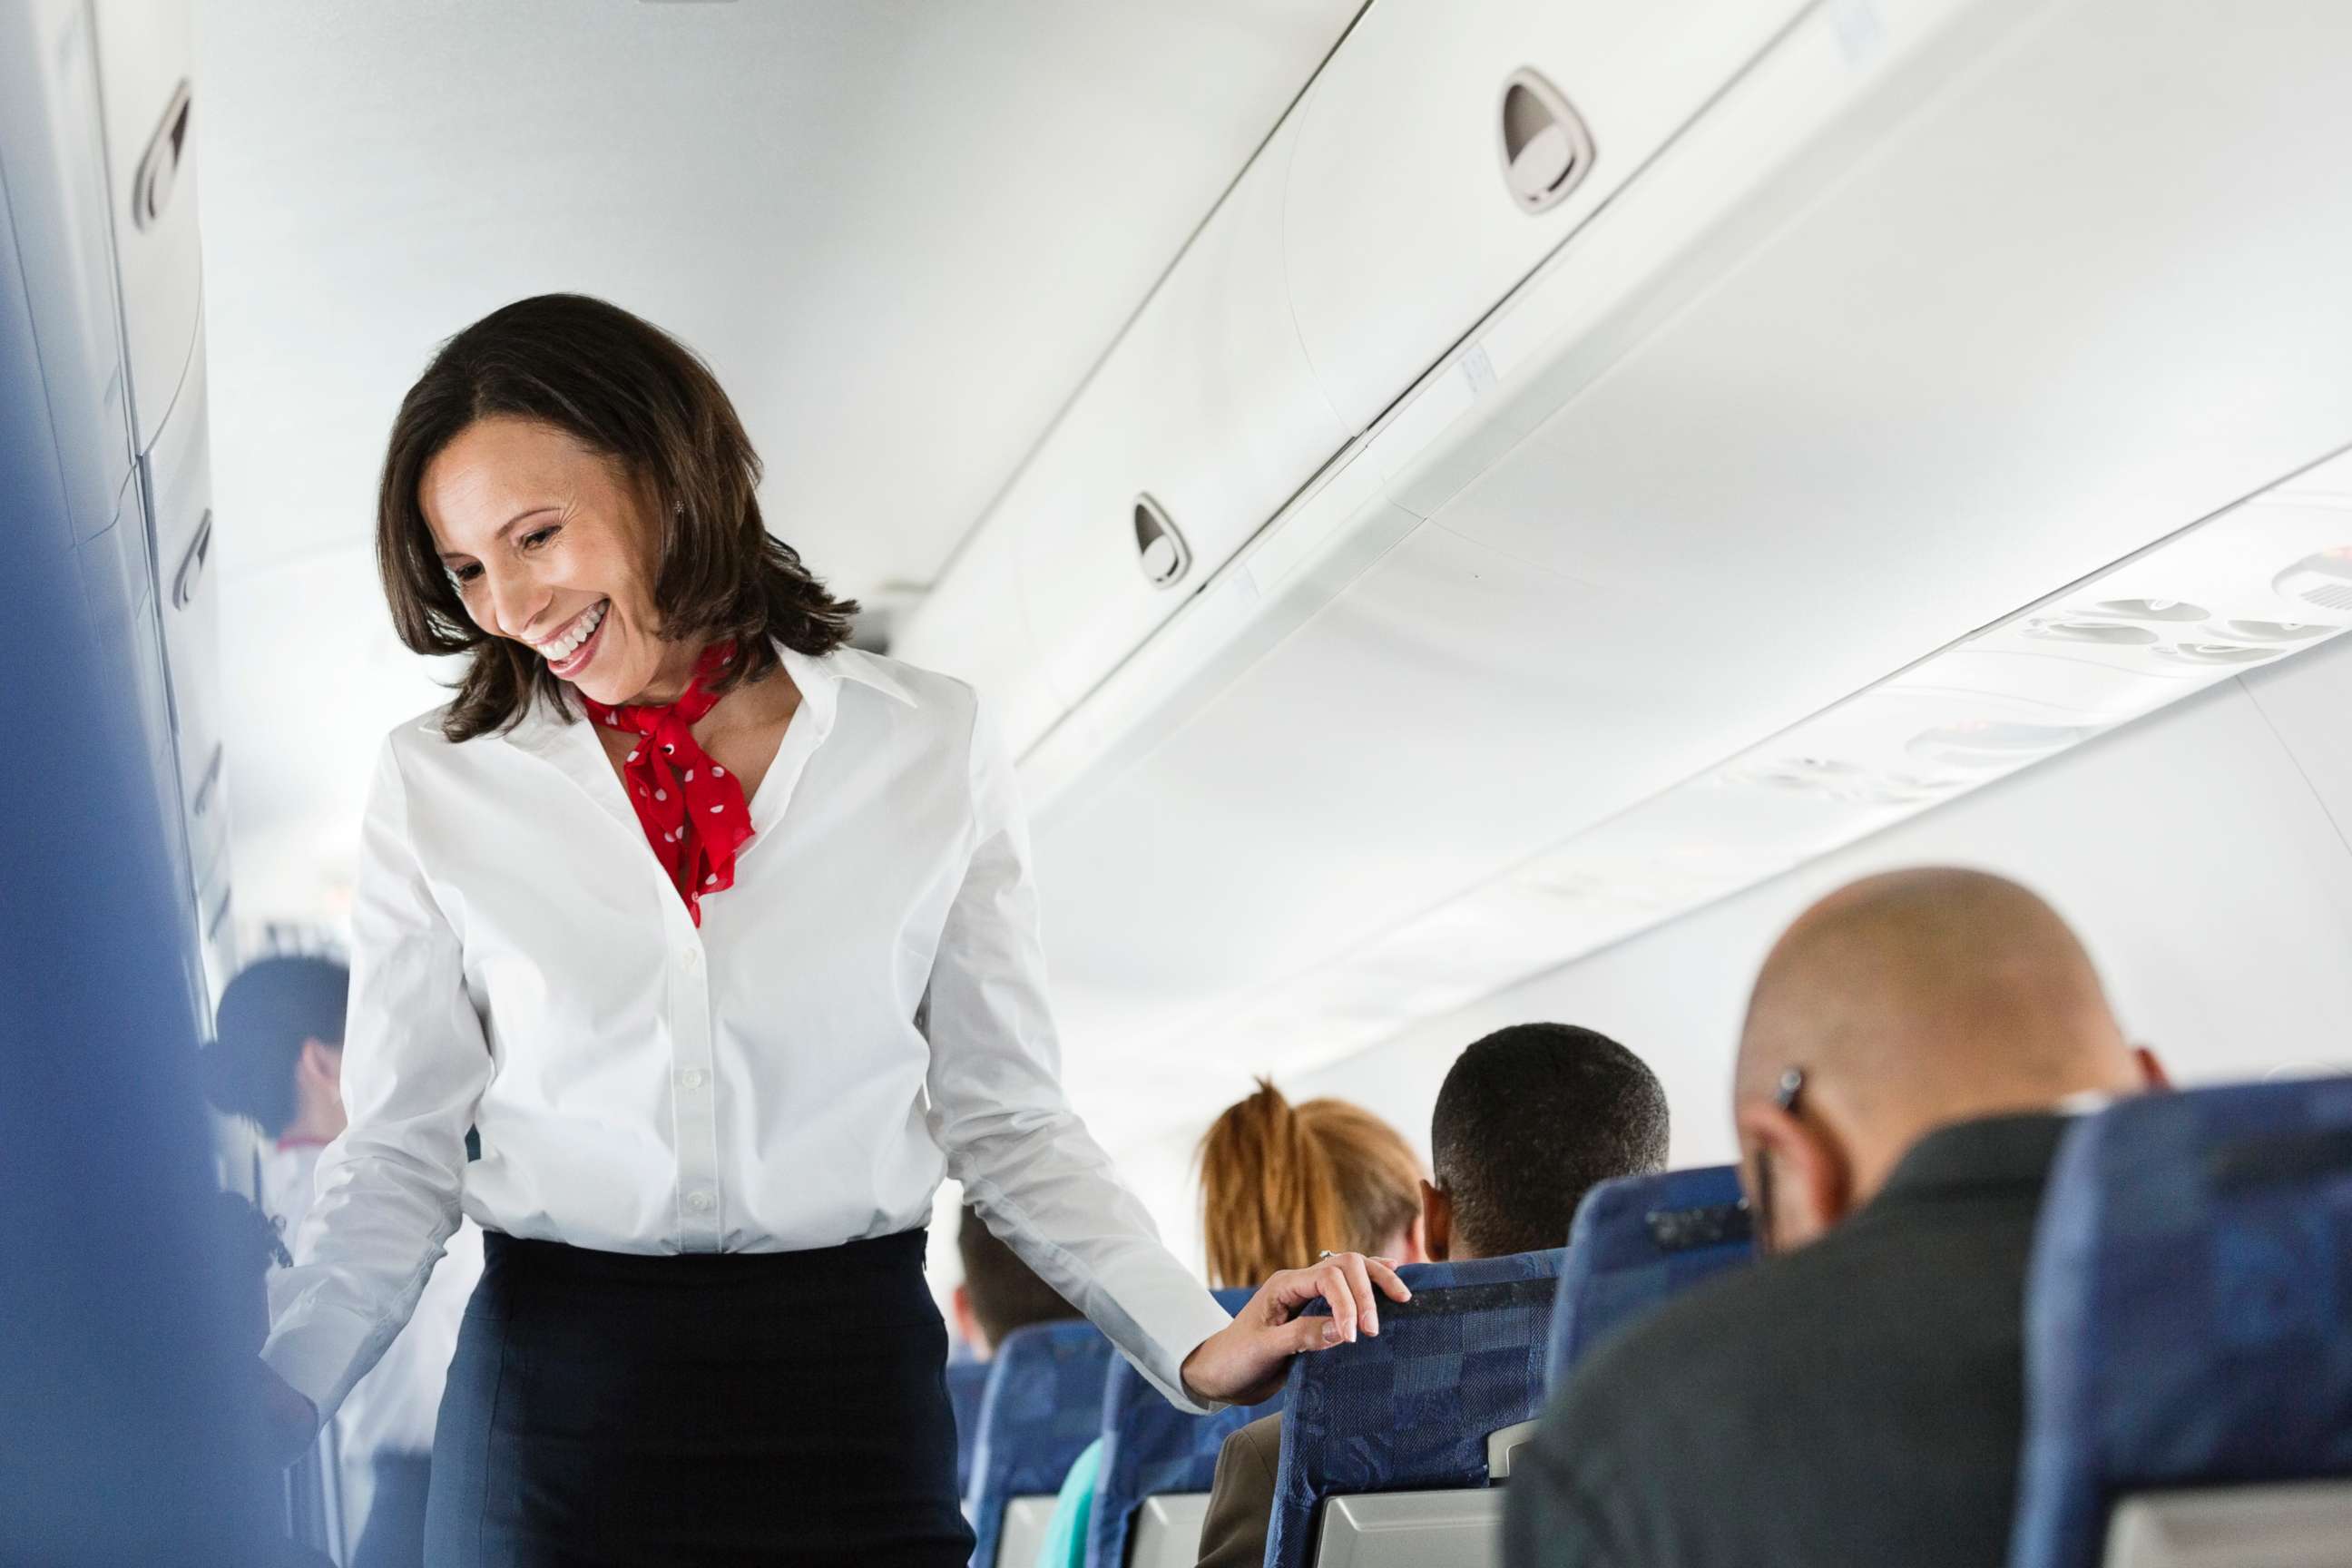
(691, 808)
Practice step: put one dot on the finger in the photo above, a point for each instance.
(1384, 1275)
(1359, 1285)
(1310, 1334)
(1332, 1281)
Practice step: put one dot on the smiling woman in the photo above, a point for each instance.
(564, 415)
(713, 1089)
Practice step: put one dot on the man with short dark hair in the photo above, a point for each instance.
(1529, 1119)
(999, 1293)
(1856, 1400)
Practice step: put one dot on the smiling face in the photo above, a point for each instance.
(549, 545)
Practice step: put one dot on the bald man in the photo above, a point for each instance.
(1912, 1048)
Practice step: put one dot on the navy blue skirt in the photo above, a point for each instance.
(606, 1408)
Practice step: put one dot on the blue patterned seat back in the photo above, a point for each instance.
(2189, 1309)
(966, 1382)
(1635, 1242)
(1042, 1406)
(1150, 1447)
(1411, 1409)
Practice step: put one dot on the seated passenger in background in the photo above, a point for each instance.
(1529, 1119)
(999, 1293)
(276, 1059)
(1279, 1185)
(1857, 1401)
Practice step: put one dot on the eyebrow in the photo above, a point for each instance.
(506, 528)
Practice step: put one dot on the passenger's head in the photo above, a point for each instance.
(1897, 1004)
(1529, 1119)
(1281, 1183)
(561, 460)
(277, 1054)
(1000, 1293)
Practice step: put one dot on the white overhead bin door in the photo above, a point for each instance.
(145, 65)
(1207, 408)
(1403, 230)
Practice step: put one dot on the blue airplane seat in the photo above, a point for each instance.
(2189, 1311)
(1151, 1449)
(1042, 1406)
(1635, 1242)
(1413, 1409)
(967, 1380)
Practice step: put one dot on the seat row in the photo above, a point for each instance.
(2189, 1366)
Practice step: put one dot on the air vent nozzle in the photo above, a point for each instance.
(1159, 549)
(1546, 149)
(2149, 610)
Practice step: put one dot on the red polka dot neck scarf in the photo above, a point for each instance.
(691, 808)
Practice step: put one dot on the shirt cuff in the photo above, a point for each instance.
(316, 1353)
(1177, 1329)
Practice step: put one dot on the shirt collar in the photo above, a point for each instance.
(818, 678)
(1990, 1152)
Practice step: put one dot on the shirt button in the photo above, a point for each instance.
(690, 960)
(693, 1077)
(700, 1201)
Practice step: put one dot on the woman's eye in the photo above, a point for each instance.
(533, 539)
(463, 575)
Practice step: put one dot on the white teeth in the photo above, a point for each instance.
(563, 647)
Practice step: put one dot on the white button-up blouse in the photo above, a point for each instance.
(863, 1012)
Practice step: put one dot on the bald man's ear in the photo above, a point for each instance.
(2152, 1076)
(1800, 1183)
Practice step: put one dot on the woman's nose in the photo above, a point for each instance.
(515, 601)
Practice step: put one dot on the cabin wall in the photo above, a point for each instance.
(2203, 853)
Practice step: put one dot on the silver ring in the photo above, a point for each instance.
(1321, 1256)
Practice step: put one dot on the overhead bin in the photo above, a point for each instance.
(55, 186)
(1204, 418)
(1403, 225)
(177, 469)
(1444, 152)
(146, 64)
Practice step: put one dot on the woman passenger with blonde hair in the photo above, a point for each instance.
(1282, 1186)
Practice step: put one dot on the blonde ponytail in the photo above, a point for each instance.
(1281, 1183)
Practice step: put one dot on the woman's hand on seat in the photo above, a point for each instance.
(1245, 1361)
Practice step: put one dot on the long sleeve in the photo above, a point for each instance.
(414, 1065)
(1025, 1161)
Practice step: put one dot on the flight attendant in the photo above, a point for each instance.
(718, 939)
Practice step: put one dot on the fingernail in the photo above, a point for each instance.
(1372, 1324)
(1351, 1333)
(1330, 1333)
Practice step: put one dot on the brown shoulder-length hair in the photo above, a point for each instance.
(631, 392)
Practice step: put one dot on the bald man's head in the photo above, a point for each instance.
(1926, 997)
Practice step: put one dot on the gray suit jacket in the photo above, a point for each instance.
(1857, 1404)
(1241, 1498)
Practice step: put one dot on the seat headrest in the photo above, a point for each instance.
(1413, 1407)
(1151, 1449)
(2188, 1308)
(1042, 1406)
(1636, 1242)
